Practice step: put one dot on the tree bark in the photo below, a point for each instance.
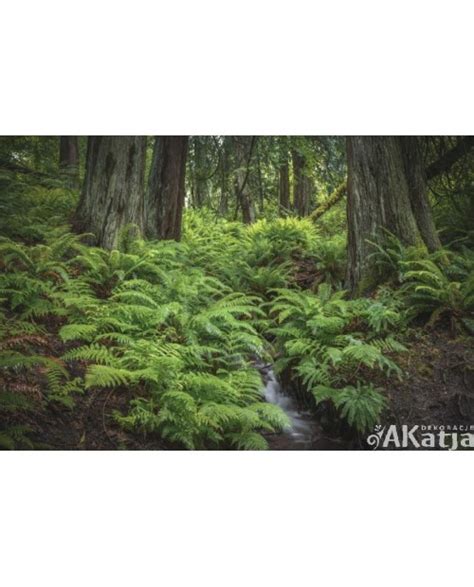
(283, 175)
(284, 187)
(224, 176)
(378, 198)
(243, 148)
(166, 188)
(112, 195)
(302, 187)
(198, 180)
(260, 181)
(417, 188)
(69, 160)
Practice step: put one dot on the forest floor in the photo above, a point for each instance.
(437, 389)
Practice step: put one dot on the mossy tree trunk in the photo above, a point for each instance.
(166, 188)
(378, 197)
(69, 160)
(112, 195)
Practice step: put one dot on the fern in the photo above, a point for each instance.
(361, 405)
(107, 376)
(429, 291)
(321, 337)
(181, 324)
(77, 332)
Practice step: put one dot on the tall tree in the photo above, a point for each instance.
(166, 188)
(243, 150)
(69, 159)
(417, 187)
(283, 176)
(302, 185)
(198, 171)
(112, 195)
(223, 177)
(378, 198)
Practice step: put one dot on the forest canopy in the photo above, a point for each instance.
(152, 289)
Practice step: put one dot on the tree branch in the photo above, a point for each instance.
(333, 199)
(446, 161)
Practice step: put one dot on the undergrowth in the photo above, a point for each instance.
(182, 325)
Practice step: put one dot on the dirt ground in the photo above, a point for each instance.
(438, 386)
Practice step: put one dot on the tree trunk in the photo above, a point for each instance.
(283, 176)
(284, 188)
(112, 195)
(166, 188)
(302, 187)
(198, 183)
(69, 160)
(243, 147)
(378, 198)
(224, 177)
(260, 181)
(416, 179)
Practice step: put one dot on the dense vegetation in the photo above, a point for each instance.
(251, 266)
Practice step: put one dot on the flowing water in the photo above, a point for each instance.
(305, 433)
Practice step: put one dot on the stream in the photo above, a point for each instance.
(305, 432)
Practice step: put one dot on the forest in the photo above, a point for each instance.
(234, 292)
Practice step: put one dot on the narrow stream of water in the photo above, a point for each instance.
(305, 432)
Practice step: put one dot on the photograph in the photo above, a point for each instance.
(236, 293)
(219, 292)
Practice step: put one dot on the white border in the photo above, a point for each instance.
(234, 519)
(247, 67)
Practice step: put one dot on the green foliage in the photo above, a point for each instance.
(435, 286)
(15, 437)
(438, 290)
(282, 238)
(390, 256)
(331, 259)
(179, 325)
(361, 405)
(334, 344)
(151, 319)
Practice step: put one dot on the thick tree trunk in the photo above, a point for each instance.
(243, 151)
(69, 160)
(112, 195)
(416, 179)
(378, 198)
(166, 188)
(302, 187)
